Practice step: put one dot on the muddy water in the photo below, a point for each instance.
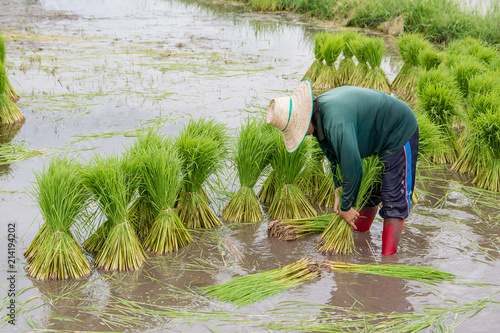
(91, 72)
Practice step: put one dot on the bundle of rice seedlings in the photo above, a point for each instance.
(112, 183)
(160, 171)
(325, 196)
(54, 253)
(417, 273)
(202, 146)
(431, 141)
(317, 66)
(9, 112)
(347, 66)
(293, 229)
(253, 148)
(428, 59)
(464, 69)
(373, 50)
(362, 69)
(439, 100)
(289, 201)
(271, 184)
(337, 238)
(484, 84)
(331, 49)
(9, 90)
(473, 47)
(252, 288)
(313, 174)
(410, 46)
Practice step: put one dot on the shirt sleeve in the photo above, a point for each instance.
(343, 139)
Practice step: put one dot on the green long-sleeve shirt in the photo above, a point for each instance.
(358, 122)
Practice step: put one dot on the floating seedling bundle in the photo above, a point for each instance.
(347, 66)
(289, 201)
(293, 229)
(313, 174)
(248, 289)
(54, 254)
(418, 273)
(317, 65)
(331, 49)
(337, 238)
(252, 155)
(202, 146)
(160, 170)
(373, 51)
(9, 90)
(112, 182)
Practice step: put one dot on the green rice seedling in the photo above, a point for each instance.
(271, 184)
(202, 146)
(61, 197)
(337, 238)
(293, 229)
(112, 183)
(252, 155)
(373, 50)
(313, 174)
(411, 46)
(431, 142)
(439, 100)
(289, 200)
(332, 47)
(317, 65)
(484, 84)
(252, 288)
(417, 273)
(464, 69)
(475, 48)
(9, 90)
(9, 112)
(325, 196)
(347, 66)
(160, 170)
(429, 59)
(362, 69)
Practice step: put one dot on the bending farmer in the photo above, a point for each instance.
(351, 123)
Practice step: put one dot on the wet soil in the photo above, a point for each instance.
(92, 72)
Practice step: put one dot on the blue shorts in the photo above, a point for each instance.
(398, 182)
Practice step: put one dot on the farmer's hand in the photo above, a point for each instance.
(337, 200)
(350, 216)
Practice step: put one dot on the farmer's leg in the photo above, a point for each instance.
(398, 183)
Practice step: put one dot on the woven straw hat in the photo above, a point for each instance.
(292, 115)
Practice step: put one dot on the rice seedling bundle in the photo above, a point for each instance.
(202, 146)
(9, 112)
(373, 50)
(313, 174)
(289, 201)
(252, 288)
(253, 149)
(332, 47)
(325, 196)
(160, 171)
(428, 59)
(317, 65)
(9, 90)
(439, 100)
(293, 229)
(411, 46)
(271, 184)
(112, 183)
(61, 197)
(464, 69)
(362, 69)
(347, 66)
(473, 47)
(337, 238)
(417, 273)
(431, 141)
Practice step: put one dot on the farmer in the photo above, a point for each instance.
(351, 123)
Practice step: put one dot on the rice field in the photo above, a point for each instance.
(94, 76)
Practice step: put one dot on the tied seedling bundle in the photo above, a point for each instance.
(202, 147)
(253, 149)
(325, 196)
(373, 51)
(331, 49)
(422, 274)
(463, 69)
(271, 184)
(54, 254)
(316, 68)
(410, 46)
(289, 201)
(430, 141)
(112, 182)
(248, 289)
(9, 112)
(362, 69)
(293, 229)
(347, 66)
(439, 100)
(313, 174)
(475, 48)
(337, 238)
(160, 170)
(9, 90)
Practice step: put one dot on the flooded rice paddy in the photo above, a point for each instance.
(93, 73)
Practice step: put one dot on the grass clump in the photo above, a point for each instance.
(331, 49)
(337, 238)
(54, 254)
(252, 155)
(252, 288)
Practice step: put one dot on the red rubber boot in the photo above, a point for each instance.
(393, 227)
(365, 219)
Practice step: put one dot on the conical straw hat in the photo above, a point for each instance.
(292, 115)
